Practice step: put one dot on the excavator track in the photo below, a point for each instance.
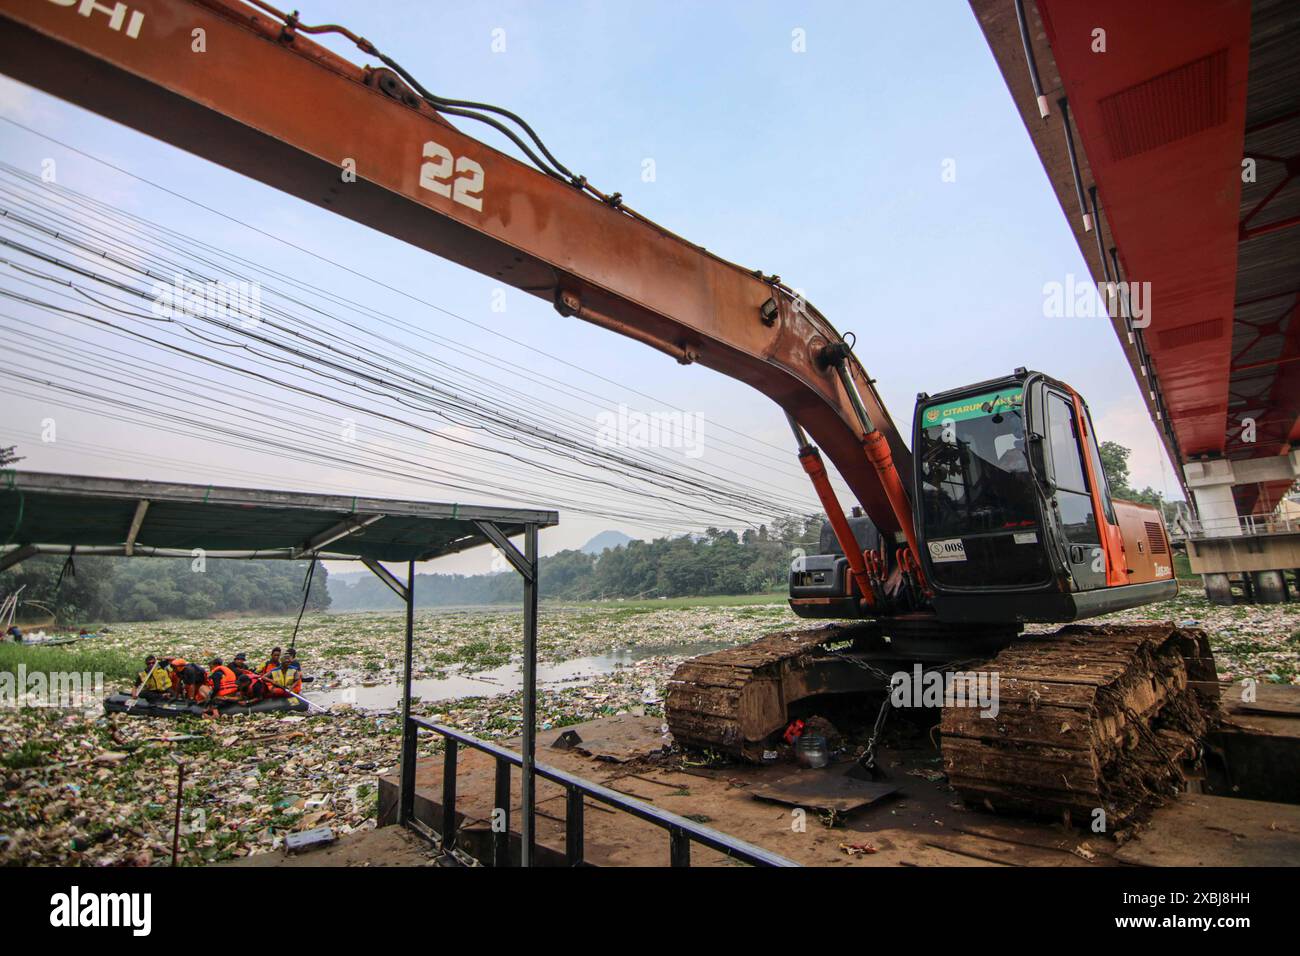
(1100, 716)
(1088, 717)
(731, 700)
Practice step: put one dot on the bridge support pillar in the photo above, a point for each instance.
(1218, 589)
(1211, 485)
(1269, 587)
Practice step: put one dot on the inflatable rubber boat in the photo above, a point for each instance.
(139, 707)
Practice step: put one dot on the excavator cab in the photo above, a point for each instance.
(1014, 518)
(1013, 512)
(977, 495)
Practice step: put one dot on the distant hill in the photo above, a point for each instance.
(351, 577)
(606, 540)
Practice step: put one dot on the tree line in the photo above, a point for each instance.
(93, 589)
(716, 562)
(1114, 462)
(102, 589)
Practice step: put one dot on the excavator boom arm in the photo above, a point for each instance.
(239, 86)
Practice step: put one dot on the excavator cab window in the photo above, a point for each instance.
(1071, 499)
(979, 509)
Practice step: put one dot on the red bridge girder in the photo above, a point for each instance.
(1185, 116)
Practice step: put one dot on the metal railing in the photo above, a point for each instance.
(681, 831)
(1242, 525)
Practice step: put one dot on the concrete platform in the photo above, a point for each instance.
(923, 824)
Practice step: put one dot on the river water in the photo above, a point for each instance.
(505, 679)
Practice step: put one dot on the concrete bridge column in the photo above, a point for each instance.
(1269, 587)
(1211, 485)
(1224, 545)
(1218, 589)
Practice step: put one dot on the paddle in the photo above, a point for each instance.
(135, 694)
(309, 703)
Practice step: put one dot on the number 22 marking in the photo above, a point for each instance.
(436, 172)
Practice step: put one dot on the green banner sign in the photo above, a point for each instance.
(976, 406)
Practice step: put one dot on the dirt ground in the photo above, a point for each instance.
(922, 822)
(387, 846)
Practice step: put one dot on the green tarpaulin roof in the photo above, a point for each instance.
(48, 513)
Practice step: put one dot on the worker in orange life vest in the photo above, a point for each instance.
(189, 681)
(223, 681)
(249, 684)
(272, 664)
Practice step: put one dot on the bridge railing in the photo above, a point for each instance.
(1243, 525)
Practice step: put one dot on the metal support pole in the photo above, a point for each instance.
(573, 841)
(17, 556)
(176, 826)
(529, 789)
(449, 795)
(501, 836)
(679, 847)
(406, 796)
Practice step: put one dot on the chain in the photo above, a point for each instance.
(868, 758)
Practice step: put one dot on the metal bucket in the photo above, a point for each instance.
(812, 752)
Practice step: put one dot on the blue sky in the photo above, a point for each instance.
(822, 166)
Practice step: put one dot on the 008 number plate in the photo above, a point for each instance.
(949, 549)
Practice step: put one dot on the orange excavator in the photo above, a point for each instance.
(999, 515)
